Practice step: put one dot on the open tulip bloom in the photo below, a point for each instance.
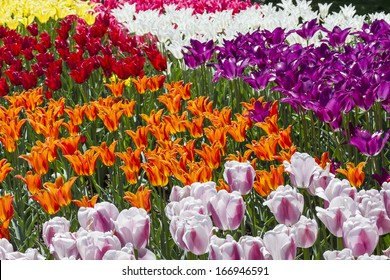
(210, 130)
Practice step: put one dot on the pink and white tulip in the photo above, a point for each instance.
(240, 176)
(286, 204)
(225, 249)
(92, 245)
(53, 226)
(385, 194)
(133, 225)
(64, 246)
(280, 245)
(305, 232)
(254, 248)
(361, 235)
(178, 193)
(345, 254)
(227, 210)
(100, 218)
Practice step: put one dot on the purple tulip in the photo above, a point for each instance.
(64, 246)
(227, 210)
(339, 210)
(133, 225)
(260, 111)
(280, 245)
(53, 226)
(305, 232)
(240, 176)
(367, 143)
(225, 249)
(92, 245)
(337, 36)
(100, 218)
(230, 68)
(254, 248)
(199, 53)
(308, 29)
(345, 254)
(360, 235)
(191, 232)
(383, 177)
(286, 204)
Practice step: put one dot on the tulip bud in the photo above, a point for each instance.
(302, 169)
(227, 210)
(240, 176)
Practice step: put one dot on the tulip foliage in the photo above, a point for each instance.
(193, 130)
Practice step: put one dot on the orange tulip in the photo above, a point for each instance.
(6, 214)
(5, 168)
(222, 185)
(131, 159)
(355, 175)
(69, 145)
(110, 116)
(128, 108)
(172, 101)
(7, 140)
(83, 164)
(32, 181)
(140, 199)
(90, 111)
(155, 83)
(268, 181)
(195, 126)
(324, 160)
(76, 114)
(188, 150)
(106, 154)
(199, 106)
(180, 88)
(85, 202)
(12, 127)
(161, 132)
(39, 160)
(157, 173)
(200, 172)
(140, 84)
(140, 136)
(176, 122)
(211, 155)
(45, 124)
(286, 155)
(270, 125)
(284, 139)
(49, 145)
(116, 88)
(265, 148)
(72, 128)
(60, 190)
(238, 131)
(57, 107)
(131, 175)
(47, 200)
(217, 135)
(154, 118)
(220, 118)
(29, 100)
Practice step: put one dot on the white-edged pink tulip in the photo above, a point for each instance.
(385, 194)
(126, 253)
(254, 248)
(361, 235)
(280, 245)
(336, 188)
(186, 204)
(301, 169)
(178, 193)
(321, 179)
(240, 176)
(100, 218)
(227, 210)
(64, 246)
(225, 249)
(92, 245)
(191, 231)
(286, 204)
(30, 255)
(133, 225)
(339, 210)
(305, 232)
(5, 248)
(345, 254)
(53, 226)
(204, 192)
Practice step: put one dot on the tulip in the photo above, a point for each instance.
(339, 210)
(368, 144)
(141, 199)
(32, 181)
(126, 253)
(92, 245)
(203, 191)
(178, 193)
(355, 175)
(254, 248)
(52, 227)
(280, 245)
(225, 249)
(345, 254)
(286, 204)
(337, 188)
(305, 232)
(99, 218)
(6, 214)
(360, 235)
(239, 176)
(133, 225)
(301, 169)
(64, 246)
(372, 257)
(385, 193)
(30, 254)
(5, 168)
(5, 248)
(191, 231)
(85, 202)
(227, 209)
(175, 208)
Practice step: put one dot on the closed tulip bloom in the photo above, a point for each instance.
(305, 232)
(126, 253)
(240, 176)
(385, 193)
(175, 208)
(30, 254)
(133, 225)
(92, 245)
(178, 193)
(227, 210)
(360, 235)
(225, 249)
(191, 231)
(64, 246)
(301, 169)
(372, 257)
(100, 218)
(254, 248)
(204, 191)
(339, 210)
(345, 254)
(337, 188)
(5, 248)
(53, 226)
(280, 245)
(286, 204)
